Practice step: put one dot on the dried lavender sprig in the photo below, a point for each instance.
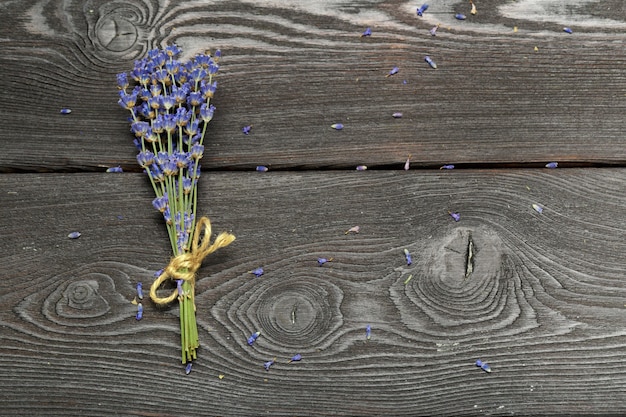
(170, 107)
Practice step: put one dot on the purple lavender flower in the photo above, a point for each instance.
(422, 9)
(115, 169)
(188, 368)
(262, 168)
(367, 32)
(407, 255)
(65, 111)
(337, 126)
(483, 365)
(267, 364)
(455, 216)
(139, 315)
(257, 272)
(74, 235)
(246, 129)
(568, 30)
(139, 291)
(552, 165)
(295, 358)
(253, 338)
(322, 261)
(460, 16)
(393, 71)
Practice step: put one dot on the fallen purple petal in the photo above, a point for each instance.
(246, 130)
(267, 364)
(139, 315)
(407, 255)
(74, 235)
(337, 126)
(257, 272)
(295, 358)
(66, 111)
(430, 62)
(368, 332)
(393, 71)
(552, 165)
(262, 168)
(396, 115)
(455, 216)
(361, 168)
(447, 167)
(422, 9)
(367, 32)
(568, 30)
(460, 16)
(188, 368)
(139, 291)
(322, 261)
(253, 338)
(407, 164)
(115, 169)
(354, 229)
(538, 208)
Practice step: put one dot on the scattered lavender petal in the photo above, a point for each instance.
(322, 261)
(368, 332)
(267, 364)
(422, 9)
(407, 164)
(430, 62)
(253, 338)
(262, 168)
(188, 368)
(538, 208)
(361, 168)
(295, 358)
(139, 315)
(139, 291)
(367, 32)
(257, 272)
(337, 126)
(354, 229)
(74, 235)
(455, 216)
(407, 255)
(460, 16)
(447, 167)
(483, 365)
(66, 111)
(115, 169)
(568, 30)
(433, 30)
(246, 129)
(393, 71)
(552, 165)
(396, 115)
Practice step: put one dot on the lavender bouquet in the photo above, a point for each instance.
(170, 108)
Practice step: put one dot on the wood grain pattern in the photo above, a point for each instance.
(543, 304)
(291, 69)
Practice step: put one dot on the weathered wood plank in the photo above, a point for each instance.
(543, 302)
(293, 70)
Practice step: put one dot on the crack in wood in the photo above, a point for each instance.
(469, 259)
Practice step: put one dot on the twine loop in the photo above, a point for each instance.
(184, 266)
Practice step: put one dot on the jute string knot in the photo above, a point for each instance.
(185, 265)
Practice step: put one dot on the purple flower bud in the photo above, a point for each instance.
(188, 368)
(393, 71)
(257, 272)
(430, 62)
(262, 168)
(447, 167)
(139, 315)
(139, 291)
(354, 229)
(483, 365)
(295, 358)
(246, 129)
(433, 30)
(74, 235)
(267, 364)
(407, 255)
(322, 261)
(422, 9)
(361, 168)
(179, 287)
(552, 165)
(66, 111)
(568, 30)
(253, 338)
(115, 169)
(367, 32)
(455, 216)
(460, 16)
(337, 126)
(538, 208)
(396, 115)
(368, 332)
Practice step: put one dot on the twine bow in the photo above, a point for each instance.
(185, 265)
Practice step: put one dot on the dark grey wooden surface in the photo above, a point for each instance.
(544, 304)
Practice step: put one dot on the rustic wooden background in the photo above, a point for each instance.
(544, 304)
